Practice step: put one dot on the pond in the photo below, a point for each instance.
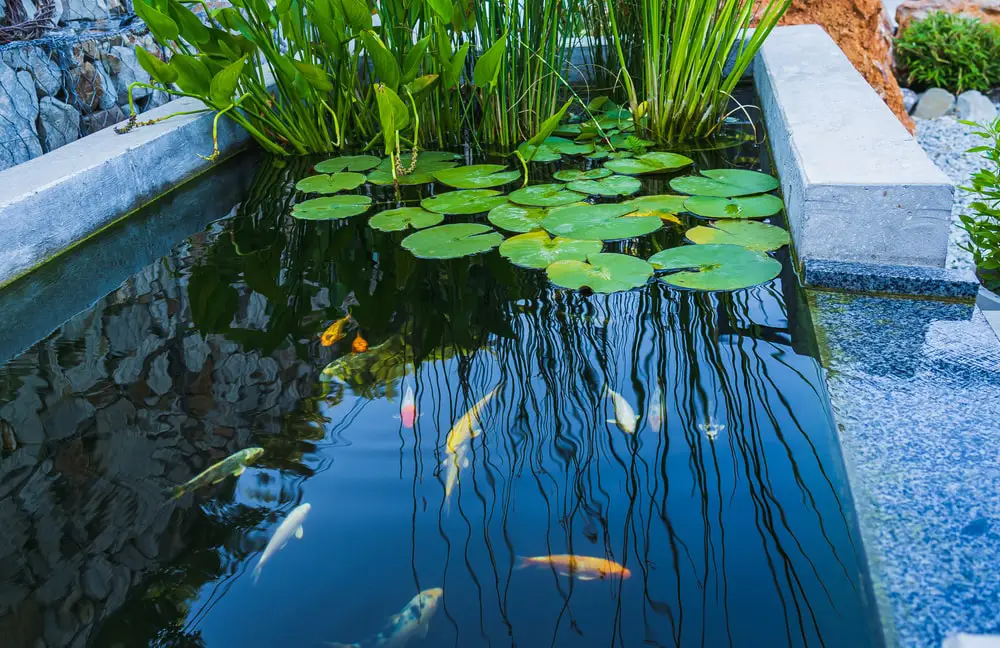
(465, 431)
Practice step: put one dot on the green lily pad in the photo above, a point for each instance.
(603, 273)
(428, 163)
(749, 234)
(599, 222)
(537, 250)
(538, 153)
(330, 184)
(477, 176)
(656, 162)
(348, 163)
(665, 206)
(397, 220)
(600, 153)
(552, 149)
(739, 207)
(567, 130)
(452, 241)
(331, 207)
(545, 195)
(631, 142)
(725, 183)
(469, 201)
(715, 267)
(569, 175)
(615, 185)
(517, 218)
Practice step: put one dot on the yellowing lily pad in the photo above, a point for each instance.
(331, 207)
(725, 183)
(396, 220)
(469, 201)
(537, 250)
(615, 185)
(665, 206)
(348, 163)
(715, 267)
(604, 273)
(517, 218)
(749, 234)
(428, 163)
(656, 162)
(452, 241)
(599, 222)
(330, 184)
(739, 207)
(569, 175)
(477, 176)
(545, 195)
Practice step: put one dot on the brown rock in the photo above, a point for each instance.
(985, 10)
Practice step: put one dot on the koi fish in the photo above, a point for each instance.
(336, 331)
(412, 621)
(711, 429)
(408, 409)
(232, 466)
(584, 568)
(360, 345)
(625, 417)
(655, 416)
(467, 427)
(291, 526)
(454, 462)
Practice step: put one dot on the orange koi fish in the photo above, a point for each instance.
(360, 345)
(336, 332)
(584, 568)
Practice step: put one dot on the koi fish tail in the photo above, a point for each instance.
(521, 562)
(256, 573)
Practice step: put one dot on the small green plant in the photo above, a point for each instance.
(984, 225)
(949, 51)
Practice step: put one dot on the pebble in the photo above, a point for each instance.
(975, 106)
(934, 103)
(909, 99)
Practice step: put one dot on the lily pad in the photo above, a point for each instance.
(538, 153)
(657, 162)
(552, 149)
(615, 185)
(477, 176)
(749, 234)
(603, 273)
(599, 222)
(348, 163)
(715, 267)
(330, 184)
(569, 175)
(665, 206)
(567, 130)
(545, 195)
(630, 142)
(428, 163)
(331, 207)
(725, 183)
(537, 250)
(469, 201)
(739, 207)
(397, 220)
(452, 241)
(517, 218)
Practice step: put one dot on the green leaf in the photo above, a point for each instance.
(452, 241)
(477, 176)
(715, 267)
(189, 25)
(392, 114)
(413, 59)
(355, 163)
(615, 185)
(568, 147)
(545, 195)
(314, 75)
(330, 184)
(725, 183)
(192, 75)
(420, 84)
(156, 68)
(516, 218)
(739, 207)
(537, 250)
(459, 203)
(571, 175)
(749, 234)
(396, 220)
(428, 163)
(549, 125)
(331, 207)
(442, 8)
(223, 85)
(487, 68)
(665, 207)
(384, 62)
(161, 25)
(357, 13)
(453, 71)
(606, 222)
(655, 162)
(603, 273)
(538, 153)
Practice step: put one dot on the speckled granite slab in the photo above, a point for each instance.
(915, 387)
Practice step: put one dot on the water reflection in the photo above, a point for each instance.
(728, 504)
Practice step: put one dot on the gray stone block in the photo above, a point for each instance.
(934, 103)
(58, 123)
(19, 105)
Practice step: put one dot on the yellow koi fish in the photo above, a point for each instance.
(625, 417)
(454, 462)
(413, 621)
(584, 568)
(336, 331)
(232, 466)
(467, 427)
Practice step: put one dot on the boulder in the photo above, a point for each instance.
(19, 106)
(58, 123)
(934, 103)
(103, 119)
(910, 99)
(94, 88)
(84, 10)
(910, 10)
(125, 70)
(38, 62)
(975, 106)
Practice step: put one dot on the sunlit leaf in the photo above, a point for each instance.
(452, 241)
(665, 207)
(331, 207)
(470, 201)
(615, 185)
(517, 218)
(749, 234)
(477, 176)
(739, 207)
(396, 220)
(602, 273)
(646, 163)
(330, 184)
(487, 68)
(428, 163)
(545, 195)
(599, 222)
(571, 175)
(725, 183)
(537, 249)
(348, 163)
(715, 267)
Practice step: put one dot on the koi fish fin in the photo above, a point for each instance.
(612, 421)
(465, 462)
(521, 562)
(585, 578)
(239, 471)
(425, 627)
(256, 572)
(299, 533)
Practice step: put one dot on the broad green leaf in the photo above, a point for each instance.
(411, 63)
(655, 162)
(160, 24)
(739, 207)
(665, 207)
(156, 68)
(223, 85)
(189, 25)
(331, 184)
(715, 267)
(615, 185)
(477, 176)
(537, 250)
(392, 115)
(355, 163)
(396, 220)
(420, 84)
(603, 273)
(749, 234)
(487, 68)
(538, 153)
(357, 13)
(459, 203)
(452, 241)
(442, 8)
(331, 207)
(517, 218)
(606, 222)
(568, 147)
(725, 183)
(550, 124)
(192, 75)
(453, 71)
(383, 60)
(314, 75)
(463, 15)
(571, 175)
(428, 163)
(545, 195)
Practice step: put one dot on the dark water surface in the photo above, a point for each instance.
(741, 535)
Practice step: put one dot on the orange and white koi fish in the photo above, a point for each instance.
(336, 331)
(584, 568)
(360, 345)
(413, 622)
(408, 409)
(467, 427)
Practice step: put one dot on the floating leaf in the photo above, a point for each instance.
(537, 250)
(396, 220)
(330, 184)
(603, 273)
(567, 130)
(749, 234)
(715, 267)
(428, 163)
(600, 153)
(452, 241)
(739, 207)
(477, 176)
(615, 185)
(571, 175)
(538, 153)
(664, 207)
(472, 201)
(354, 163)
(649, 163)
(550, 124)
(331, 207)
(599, 222)
(545, 195)
(517, 218)
(725, 183)
(622, 141)
(568, 147)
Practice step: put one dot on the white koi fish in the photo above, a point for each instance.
(711, 429)
(625, 417)
(467, 427)
(413, 621)
(291, 526)
(655, 416)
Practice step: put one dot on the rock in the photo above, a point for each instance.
(94, 88)
(934, 103)
(159, 375)
(103, 119)
(97, 578)
(58, 123)
(84, 10)
(155, 99)
(125, 70)
(985, 10)
(910, 99)
(39, 63)
(975, 106)
(19, 106)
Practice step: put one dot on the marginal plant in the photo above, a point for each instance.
(949, 51)
(983, 225)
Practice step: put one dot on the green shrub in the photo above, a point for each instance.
(949, 51)
(983, 225)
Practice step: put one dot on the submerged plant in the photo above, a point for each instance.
(983, 225)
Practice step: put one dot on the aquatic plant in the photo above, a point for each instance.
(949, 51)
(983, 224)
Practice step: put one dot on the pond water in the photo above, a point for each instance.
(728, 504)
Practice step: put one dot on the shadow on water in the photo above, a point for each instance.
(728, 503)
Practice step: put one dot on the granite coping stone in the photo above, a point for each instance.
(891, 279)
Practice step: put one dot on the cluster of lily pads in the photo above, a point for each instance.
(554, 228)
